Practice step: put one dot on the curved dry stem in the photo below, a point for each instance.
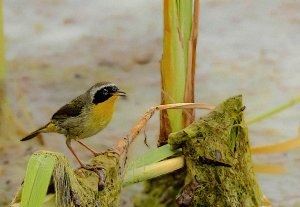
(122, 145)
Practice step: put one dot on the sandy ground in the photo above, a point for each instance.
(56, 49)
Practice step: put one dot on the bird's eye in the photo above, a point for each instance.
(105, 92)
(115, 89)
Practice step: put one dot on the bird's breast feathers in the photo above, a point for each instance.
(101, 114)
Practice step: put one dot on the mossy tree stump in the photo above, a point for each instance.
(219, 168)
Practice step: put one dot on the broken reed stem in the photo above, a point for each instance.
(122, 145)
(153, 170)
(274, 111)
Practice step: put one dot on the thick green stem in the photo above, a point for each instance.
(175, 62)
(177, 77)
(153, 170)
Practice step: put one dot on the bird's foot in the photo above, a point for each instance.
(99, 171)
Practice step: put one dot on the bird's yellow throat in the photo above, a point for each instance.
(104, 111)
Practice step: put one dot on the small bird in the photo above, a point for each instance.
(84, 116)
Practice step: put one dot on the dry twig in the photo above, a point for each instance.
(121, 147)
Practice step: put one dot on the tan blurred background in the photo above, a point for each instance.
(57, 49)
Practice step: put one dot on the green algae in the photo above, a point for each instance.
(217, 152)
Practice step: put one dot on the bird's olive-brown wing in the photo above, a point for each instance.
(72, 109)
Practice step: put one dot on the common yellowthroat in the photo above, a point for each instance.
(84, 116)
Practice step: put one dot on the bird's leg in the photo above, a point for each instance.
(68, 142)
(88, 148)
(98, 170)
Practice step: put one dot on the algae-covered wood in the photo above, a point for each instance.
(218, 159)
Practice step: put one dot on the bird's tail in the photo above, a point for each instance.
(35, 133)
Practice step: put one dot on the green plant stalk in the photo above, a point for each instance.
(176, 70)
(274, 111)
(37, 178)
(152, 171)
(177, 15)
(185, 23)
(152, 156)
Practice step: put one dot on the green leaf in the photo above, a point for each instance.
(154, 155)
(37, 178)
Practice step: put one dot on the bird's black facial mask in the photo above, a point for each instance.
(104, 93)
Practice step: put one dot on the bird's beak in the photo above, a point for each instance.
(119, 93)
